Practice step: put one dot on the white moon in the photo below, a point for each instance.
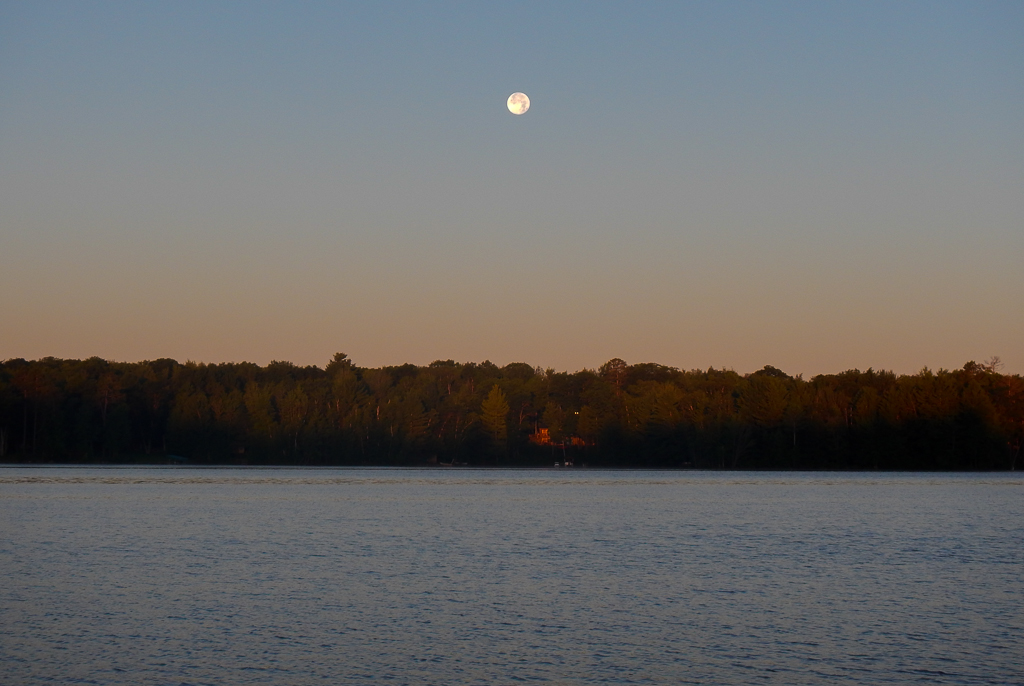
(518, 103)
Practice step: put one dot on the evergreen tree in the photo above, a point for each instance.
(494, 414)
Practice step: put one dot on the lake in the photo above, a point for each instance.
(301, 576)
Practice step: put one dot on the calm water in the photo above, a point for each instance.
(185, 576)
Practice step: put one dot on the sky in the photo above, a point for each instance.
(817, 186)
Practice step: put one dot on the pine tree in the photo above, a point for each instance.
(494, 414)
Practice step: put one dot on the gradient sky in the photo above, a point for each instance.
(817, 186)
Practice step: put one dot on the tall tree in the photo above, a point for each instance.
(494, 414)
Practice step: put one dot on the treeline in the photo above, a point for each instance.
(641, 415)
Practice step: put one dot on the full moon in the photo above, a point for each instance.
(518, 103)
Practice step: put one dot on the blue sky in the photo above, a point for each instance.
(817, 186)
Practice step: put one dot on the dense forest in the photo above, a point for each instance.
(448, 413)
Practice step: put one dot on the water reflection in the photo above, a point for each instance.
(179, 575)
